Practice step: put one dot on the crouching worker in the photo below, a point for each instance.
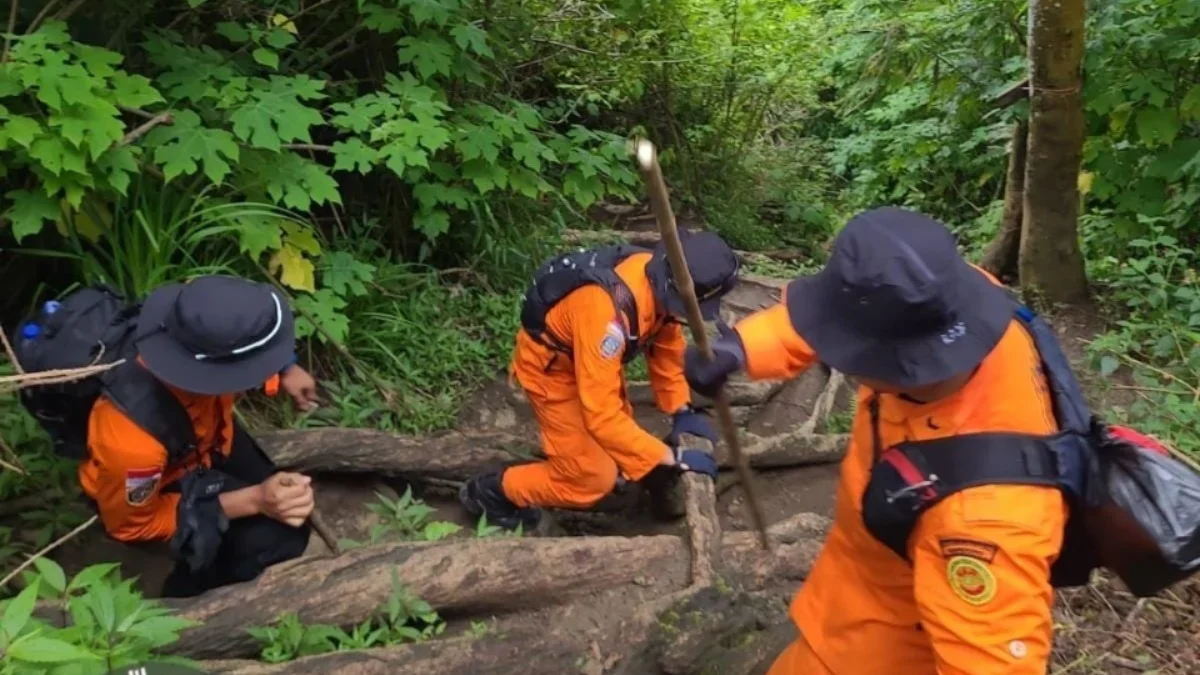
(163, 458)
(586, 315)
(955, 577)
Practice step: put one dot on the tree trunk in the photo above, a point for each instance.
(454, 576)
(461, 455)
(480, 577)
(1003, 254)
(1051, 263)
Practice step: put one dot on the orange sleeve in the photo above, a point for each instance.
(665, 362)
(124, 475)
(981, 566)
(774, 351)
(597, 348)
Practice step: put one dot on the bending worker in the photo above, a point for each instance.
(216, 496)
(585, 317)
(933, 345)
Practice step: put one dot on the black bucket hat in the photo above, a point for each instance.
(712, 264)
(215, 334)
(897, 303)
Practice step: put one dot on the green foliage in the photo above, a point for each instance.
(1157, 339)
(108, 624)
(404, 519)
(402, 618)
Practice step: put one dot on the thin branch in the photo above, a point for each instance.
(37, 20)
(8, 351)
(59, 542)
(1008, 97)
(145, 128)
(69, 10)
(12, 26)
(137, 111)
(15, 459)
(307, 146)
(13, 468)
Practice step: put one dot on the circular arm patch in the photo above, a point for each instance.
(971, 579)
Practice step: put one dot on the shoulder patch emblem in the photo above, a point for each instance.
(970, 548)
(613, 341)
(971, 580)
(140, 485)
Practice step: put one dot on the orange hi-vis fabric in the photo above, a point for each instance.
(126, 469)
(976, 598)
(587, 427)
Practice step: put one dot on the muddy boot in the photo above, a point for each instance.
(664, 488)
(484, 496)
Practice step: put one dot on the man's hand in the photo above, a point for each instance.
(288, 498)
(300, 386)
(689, 421)
(729, 356)
(698, 461)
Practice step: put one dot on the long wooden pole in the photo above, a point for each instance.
(660, 202)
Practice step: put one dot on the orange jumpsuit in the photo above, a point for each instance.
(976, 598)
(587, 427)
(126, 467)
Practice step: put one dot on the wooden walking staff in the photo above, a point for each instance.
(647, 159)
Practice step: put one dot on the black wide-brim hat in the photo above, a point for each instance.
(712, 264)
(216, 334)
(898, 304)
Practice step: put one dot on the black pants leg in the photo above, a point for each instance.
(250, 545)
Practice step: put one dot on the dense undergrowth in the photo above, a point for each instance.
(399, 166)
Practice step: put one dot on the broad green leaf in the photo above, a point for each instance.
(38, 649)
(1108, 365)
(344, 274)
(195, 3)
(59, 83)
(20, 130)
(478, 142)
(234, 32)
(485, 175)
(433, 194)
(354, 155)
(428, 53)
(186, 146)
(301, 237)
(29, 212)
(298, 183)
(432, 224)
(259, 235)
(91, 574)
(18, 610)
(439, 530)
(98, 126)
(283, 25)
(401, 154)
(431, 11)
(56, 157)
(99, 62)
(470, 37)
(51, 573)
(117, 165)
(133, 91)
(381, 19)
(266, 57)
(1189, 108)
(275, 114)
(324, 307)
(293, 269)
(1157, 126)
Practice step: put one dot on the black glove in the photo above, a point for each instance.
(690, 421)
(729, 356)
(697, 461)
(200, 521)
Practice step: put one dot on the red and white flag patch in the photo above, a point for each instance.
(141, 484)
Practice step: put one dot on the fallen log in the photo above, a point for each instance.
(461, 455)
(704, 526)
(475, 577)
(453, 455)
(453, 576)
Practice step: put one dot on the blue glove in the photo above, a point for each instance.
(689, 421)
(729, 356)
(697, 461)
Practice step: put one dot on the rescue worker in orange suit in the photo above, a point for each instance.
(934, 349)
(225, 509)
(578, 392)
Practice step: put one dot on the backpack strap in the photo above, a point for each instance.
(148, 402)
(623, 300)
(912, 477)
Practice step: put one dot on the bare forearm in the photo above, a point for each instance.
(242, 503)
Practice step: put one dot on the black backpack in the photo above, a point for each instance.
(95, 326)
(562, 274)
